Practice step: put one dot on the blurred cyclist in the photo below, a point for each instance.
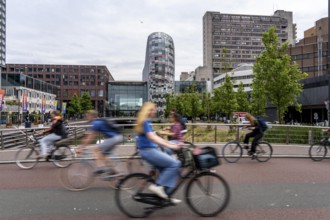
(257, 133)
(102, 149)
(147, 143)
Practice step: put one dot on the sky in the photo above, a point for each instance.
(114, 32)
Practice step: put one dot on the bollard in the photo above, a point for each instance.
(215, 134)
(2, 145)
(310, 137)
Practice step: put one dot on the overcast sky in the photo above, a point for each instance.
(114, 32)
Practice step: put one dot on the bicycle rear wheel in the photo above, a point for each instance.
(317, 151)
(128, 188)
(232, 152)
(77, 176)
(264, 151)
(62, 156)
(207, 194)
(26, 158)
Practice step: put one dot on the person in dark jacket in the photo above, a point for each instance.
(55, 133)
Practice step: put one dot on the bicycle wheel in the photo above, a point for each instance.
(232, 152)
(77, 176)
(26, 158)
(120, 165)
(317, 151)
(127, 190)
(62, 156)
(207, 194)
(264, 151)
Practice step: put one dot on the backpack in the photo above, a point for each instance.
(262, 124)
(64, 131)
(111, 125)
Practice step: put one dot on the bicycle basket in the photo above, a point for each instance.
(207, 158)
(185, 156)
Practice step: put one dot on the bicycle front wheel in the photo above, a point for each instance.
(120, 166)
(26, 158)
(317, 151)
(126, 194)
(207, 194)
(264, 151)
(232, 152)
(62, 156)
(77, 176)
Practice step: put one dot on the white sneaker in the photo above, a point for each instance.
(175, 201)
(158, 190)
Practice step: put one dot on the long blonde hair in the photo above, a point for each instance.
(143, 114)
(250, 118)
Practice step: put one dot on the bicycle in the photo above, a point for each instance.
(135, 201)
(79, 175)
(319, 150)
(135, 164)
(233, 151)
(60, 155)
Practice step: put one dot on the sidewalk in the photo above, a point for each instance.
(279, 151)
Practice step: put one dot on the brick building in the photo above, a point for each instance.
(72, 79)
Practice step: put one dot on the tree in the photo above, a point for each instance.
(278, 77)
(225, 98)
(86, 102)
(74, 108)
(242, 99)
(206, 104)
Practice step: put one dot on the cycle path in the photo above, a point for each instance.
(282, 188)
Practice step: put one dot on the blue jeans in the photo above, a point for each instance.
(168, 166)
(47, 142)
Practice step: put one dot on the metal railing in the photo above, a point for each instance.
(197, 133)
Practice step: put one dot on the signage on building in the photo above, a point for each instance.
(43, 105)
(63, 107)
(24, 103)
(2, 95)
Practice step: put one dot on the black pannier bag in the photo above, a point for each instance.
(207, 158)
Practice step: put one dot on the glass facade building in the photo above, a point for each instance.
(124, 99)
(158, 70)
(182, 86)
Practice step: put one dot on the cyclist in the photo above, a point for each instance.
(112, 138)
(174, 132)
(55, 131)
(257, 133)
(147, 142)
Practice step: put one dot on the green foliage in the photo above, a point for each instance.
(225, 97)
(86, 102)
(275, 78)
(242, 99)
(74, 108)
(206, 104)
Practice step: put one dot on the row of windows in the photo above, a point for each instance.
(313, 68)
(308, 55)
(55, 70)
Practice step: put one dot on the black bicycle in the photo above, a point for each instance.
(319, 150)
(206, 192)
(61, 155)
(233, 151)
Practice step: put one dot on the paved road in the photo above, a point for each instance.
(283, 188)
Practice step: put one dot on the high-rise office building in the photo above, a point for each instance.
(158, 70)
(241, 37)
(2, 32)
